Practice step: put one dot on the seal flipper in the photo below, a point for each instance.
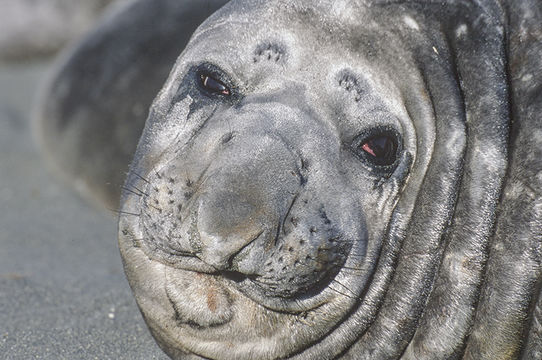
(93, 108)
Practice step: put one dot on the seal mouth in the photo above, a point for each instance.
(249, 286)
(283, 270)
(255, 286)
(262, 290)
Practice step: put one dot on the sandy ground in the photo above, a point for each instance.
(63, 294)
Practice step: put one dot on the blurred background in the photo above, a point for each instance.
(63, 294)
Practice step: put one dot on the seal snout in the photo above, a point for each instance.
(247, 192)
(229, 215)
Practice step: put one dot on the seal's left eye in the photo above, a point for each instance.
(213, 85)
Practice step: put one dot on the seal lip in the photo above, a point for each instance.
(294, 305)
(243, 283)
(246, 285)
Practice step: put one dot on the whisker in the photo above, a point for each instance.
(288, 213)
(155, 208)
(141, 191)
(120, 212)
(133, 192)
(352, 268)
(341, 293)
(342, 267)
(346, 287)
(136, 242)
(141, 177)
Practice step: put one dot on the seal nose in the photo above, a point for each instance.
(229, 218)
(246, 192)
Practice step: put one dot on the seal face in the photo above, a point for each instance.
(260, 186)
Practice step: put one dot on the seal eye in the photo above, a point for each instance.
(381, 149)
(213, 85)
(378, 147)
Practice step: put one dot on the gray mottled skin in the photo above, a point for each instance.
(254, 225)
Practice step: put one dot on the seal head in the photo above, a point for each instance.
(260, 185)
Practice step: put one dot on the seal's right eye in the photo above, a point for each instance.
(213, 85)
(380, 148)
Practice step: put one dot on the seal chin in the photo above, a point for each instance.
(202, 303)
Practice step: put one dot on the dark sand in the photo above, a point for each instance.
(63, 294)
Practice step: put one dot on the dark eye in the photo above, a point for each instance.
(212, 85)
(379, 149)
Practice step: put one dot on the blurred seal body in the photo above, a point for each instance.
(29, 29)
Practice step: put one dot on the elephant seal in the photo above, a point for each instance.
(341, 179)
